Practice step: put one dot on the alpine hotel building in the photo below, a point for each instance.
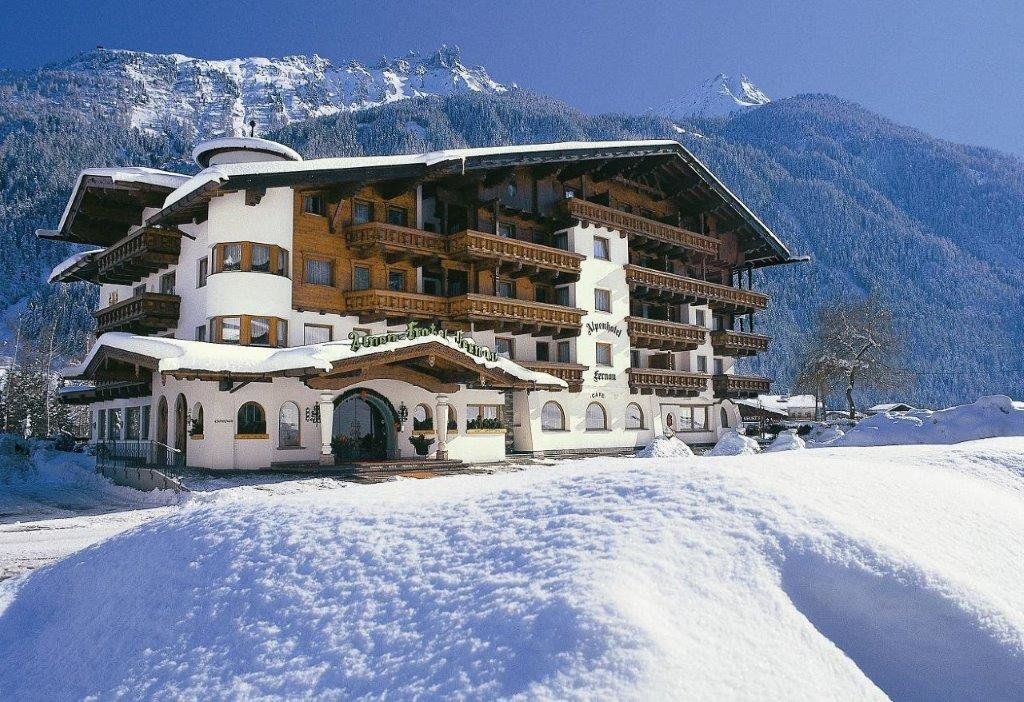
(273, 312)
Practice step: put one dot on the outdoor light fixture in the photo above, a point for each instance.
(403, 412)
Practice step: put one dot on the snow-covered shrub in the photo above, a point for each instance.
(665, 447)
(734, 444)
(786, 441)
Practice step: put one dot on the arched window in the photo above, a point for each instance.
(634, 416)
(251, 419)
(552, 418)
(670, 424)
(597, 418)
(196, 425)
(453, 420)
(422, 419)
(725, 419)
(288, 429)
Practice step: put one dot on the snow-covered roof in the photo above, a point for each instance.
(891, 407)
(180, 355)
(75, 261)
(129, 174)
(779, 403)
(207, 149)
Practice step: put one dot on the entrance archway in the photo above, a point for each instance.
(161, 431)
(180, 428)
(364, 426)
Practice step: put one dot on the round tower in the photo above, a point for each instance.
(244, 149)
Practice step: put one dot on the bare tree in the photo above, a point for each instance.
(815, 375)
(853, 342)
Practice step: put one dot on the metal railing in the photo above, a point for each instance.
(142, 453)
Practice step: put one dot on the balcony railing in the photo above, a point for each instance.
(515, 257)
(375, 305)
(139, 254)
(638, 227)
(516, 316)
(679, 289)
(740, 385)
(667, 382)
(394, 239)
(664, 336)
(571, 373)
(734, 343)
(148, 313)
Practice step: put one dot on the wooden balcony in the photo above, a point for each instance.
(148, 313)
(571, 373)
(509, 315)
(740, 385)
(678, 289)
(137, 255)
(377, 305)
(640, 230)
(664, 336)
(667, 382)
(516, 258)
(393, 242)
(734, 343)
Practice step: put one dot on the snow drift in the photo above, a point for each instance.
(777, 576)
(994, 415)
(733, 443)
(665, 447)
(786, 441)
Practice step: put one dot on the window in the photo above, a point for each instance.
(542, 293)
(282, 333)
(317, 334)
(431, 285)
(560, 240)
(506, 288)
(362, 212)
(167, 283)
(314, 204)
(360, 278)
(601, 250)
(101, 424)
(396, 281)
(398, 215)
(725, 419)
(319, 272)
(114, 424)
(634, 416)
(507, 230)
(422, 420)
(260, 258)
(700, 318)
(195, 427)
(543, 351)
(484, 417)
(603, 354)
(597, 419)
(251, 420)
(453, 420)
(602, 300)
(144, 423)
(693, 418)
(131, 423)
(201, 332)
(564, 352)
(562, 296)
(231, 257)
(702, 364)
(288, 429)
(717, 322)
(504, 347)
(634, 358)
(552, 418)
(282, 263)
(139, 290)
(719, 366)
(231, 330)
(202, 271)
(259, 331)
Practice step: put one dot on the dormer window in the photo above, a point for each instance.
(314, 204)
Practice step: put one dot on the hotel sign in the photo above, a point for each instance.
(416, 330)
(594, 327)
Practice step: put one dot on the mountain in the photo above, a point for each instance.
(212, 98)
(715, 97)
(934, 227)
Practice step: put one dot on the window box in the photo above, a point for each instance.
(251, 436)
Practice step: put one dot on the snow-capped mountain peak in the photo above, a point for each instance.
(716, 97)
(207, 98)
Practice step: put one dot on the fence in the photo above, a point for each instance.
(145, 465)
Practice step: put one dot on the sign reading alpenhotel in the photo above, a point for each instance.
(414, 330)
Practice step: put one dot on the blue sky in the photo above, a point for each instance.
(954, 69)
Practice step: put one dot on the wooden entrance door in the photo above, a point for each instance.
(161, 432)
(180, 429)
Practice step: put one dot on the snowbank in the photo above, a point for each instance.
(834, 574)
(786, 441)
(823, 435)
(665, 447)
(994, 415)
(733, 443)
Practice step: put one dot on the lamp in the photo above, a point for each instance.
(403, 412)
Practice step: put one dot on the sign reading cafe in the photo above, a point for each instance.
(415, 330)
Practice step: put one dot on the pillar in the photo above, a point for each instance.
(441, 427)
(326, 404)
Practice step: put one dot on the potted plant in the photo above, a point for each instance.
(421, 443)
(343, 448)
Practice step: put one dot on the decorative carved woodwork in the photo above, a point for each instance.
(137, 255)
(147, 313)
(375, 305)
(664, 336)
(733, 343)
(667, 382)
(740, 385)
(635, 226)
(647, 282)
(571, 373)
(514, 256)
(515, 316)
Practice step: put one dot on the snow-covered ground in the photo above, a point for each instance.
(837, 573)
